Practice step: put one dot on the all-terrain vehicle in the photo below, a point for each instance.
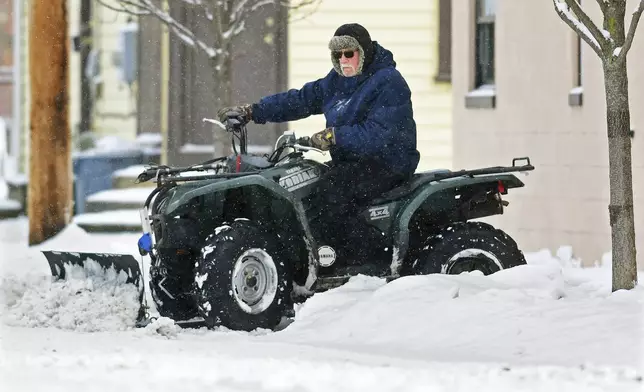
(230, 243)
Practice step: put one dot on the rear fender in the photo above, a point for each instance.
(442, 202)
(278, 192)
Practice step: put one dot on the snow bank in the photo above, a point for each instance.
(549, 311)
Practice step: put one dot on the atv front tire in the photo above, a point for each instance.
(171, 281)
(466, 247)
(242, 279)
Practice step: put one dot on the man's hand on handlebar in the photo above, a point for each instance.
(304, 141)
(235, 115)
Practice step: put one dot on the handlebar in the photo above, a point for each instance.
(303, 141)
(238, 129)
(233, 124)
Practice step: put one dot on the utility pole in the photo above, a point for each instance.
(50, 177)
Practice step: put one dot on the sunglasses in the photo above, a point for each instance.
(337, 54)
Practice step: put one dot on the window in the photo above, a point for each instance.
(484, 94)
(485, 14)
(444, 41)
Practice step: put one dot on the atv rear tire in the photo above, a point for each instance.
(242, 279)
(466, 247)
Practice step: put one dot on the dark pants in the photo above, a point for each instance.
(342, 193)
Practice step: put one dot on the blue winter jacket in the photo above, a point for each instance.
(371, 113)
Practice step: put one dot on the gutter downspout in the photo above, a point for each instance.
(16, 91)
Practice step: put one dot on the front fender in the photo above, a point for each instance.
(433, 190)
(274, 188)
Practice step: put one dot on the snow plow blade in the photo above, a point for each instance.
(125, 267)
(118, 268)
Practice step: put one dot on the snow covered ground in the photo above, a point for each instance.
(547, 326)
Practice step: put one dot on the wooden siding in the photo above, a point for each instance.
(116, 108)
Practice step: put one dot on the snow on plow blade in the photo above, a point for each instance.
(123, 268)
(109, 268)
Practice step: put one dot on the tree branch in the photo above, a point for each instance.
(631, 30)
(245, 7)
(564, 13)
(603, 6)
(183, 32)
(148, 8)
(228, 20)
(586, 21)
(315, 3)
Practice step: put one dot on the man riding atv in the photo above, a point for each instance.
(371, 133)
(239, 246)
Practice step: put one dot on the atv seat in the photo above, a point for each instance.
(409, 187)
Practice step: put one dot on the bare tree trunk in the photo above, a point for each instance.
(618, 117)
(621, 178)
(50, 185)
(612, 45)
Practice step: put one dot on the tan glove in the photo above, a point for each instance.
(323, 140)
(242, 112)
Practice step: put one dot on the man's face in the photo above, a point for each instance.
(348, 61)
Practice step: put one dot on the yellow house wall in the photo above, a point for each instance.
(410, 30)
(115, 109)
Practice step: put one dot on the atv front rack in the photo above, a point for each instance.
(164, 174)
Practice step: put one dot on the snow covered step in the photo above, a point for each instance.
(117, 199)
(9, 209)
(123, 220)
(125, 178)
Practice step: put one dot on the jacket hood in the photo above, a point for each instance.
(382, 58)
(352, 36)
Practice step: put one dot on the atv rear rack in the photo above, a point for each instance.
(487, 170)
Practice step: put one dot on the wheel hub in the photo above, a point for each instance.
(254, 281)
(472, 259)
